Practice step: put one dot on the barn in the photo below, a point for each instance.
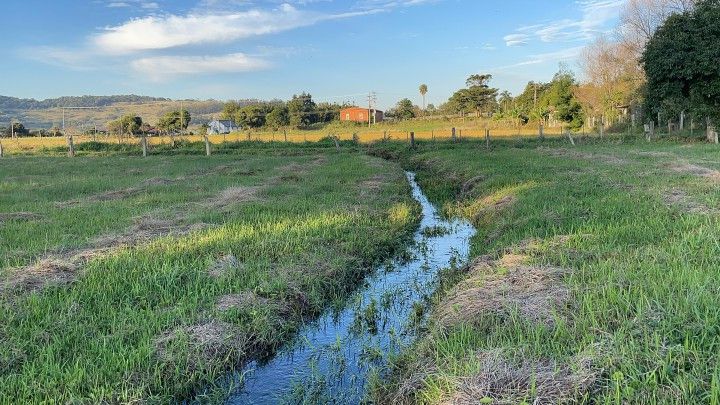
(358, 114)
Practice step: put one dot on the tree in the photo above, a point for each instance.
(174, 121)
(278, 117)
(560, 99)
(477, 97)
(302, 110)
(614, 75)
(130, 124)
(641, 18)
(423, 91)
(404, 110)
(17, 128)
(680, 62)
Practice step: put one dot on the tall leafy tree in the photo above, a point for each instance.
(681, 63)
(278, 117)
(302, 110)
(477, 97)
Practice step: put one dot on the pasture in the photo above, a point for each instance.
(128, 279)
(592, 276)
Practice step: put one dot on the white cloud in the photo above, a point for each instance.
(596, 14)
(562, 55)
(516, 39)
(170, 31)
(160, 68)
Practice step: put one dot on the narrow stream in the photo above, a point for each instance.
(334, 356)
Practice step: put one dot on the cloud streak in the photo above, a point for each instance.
(595, 16)
(161, 68)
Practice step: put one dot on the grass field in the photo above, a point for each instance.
(595, 275)
(125, 279)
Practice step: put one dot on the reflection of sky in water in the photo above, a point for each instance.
(334, 356)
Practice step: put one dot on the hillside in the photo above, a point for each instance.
(36, 114)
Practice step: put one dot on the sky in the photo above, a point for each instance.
(337, 50)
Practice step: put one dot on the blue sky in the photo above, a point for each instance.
(338, 50)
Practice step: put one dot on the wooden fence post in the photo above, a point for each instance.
(487, 138)
(651, 133)
(71, 147)
(248, 136)
(355, 137)
(285, 134)
(207, 146)
(337, 143)
(572, 141)
(453, 135)
(712, 135)
(432, 134)
(412, 140)
(385, 136)
(144, 144)
(541, 133)
(1, 150)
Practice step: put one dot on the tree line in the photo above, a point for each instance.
(301, 111)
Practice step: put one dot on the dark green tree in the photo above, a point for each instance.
(404, 110)
(559, 98)
(278, 117)
(302, 110)
(477, 97)
(681, 64)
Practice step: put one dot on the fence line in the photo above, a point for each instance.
(294, 136)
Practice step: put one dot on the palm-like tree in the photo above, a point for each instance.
(423, 92)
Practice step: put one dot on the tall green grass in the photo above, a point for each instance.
(314, 230)
(643, 270)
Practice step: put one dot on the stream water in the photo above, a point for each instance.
(334, 356)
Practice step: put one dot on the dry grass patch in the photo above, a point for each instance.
(503, 379)
(501, 287)
(49, 271)
(18, 216)
(700, 171)
(201, 345)
(575, 154)
(223, 266)
(246, 299)
(679, 198)
(234, 195)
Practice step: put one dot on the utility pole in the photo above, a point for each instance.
(372, 99)
(12, 129)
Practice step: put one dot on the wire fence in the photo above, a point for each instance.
(30, 144)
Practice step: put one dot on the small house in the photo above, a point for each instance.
(221, 127)
(357, 114)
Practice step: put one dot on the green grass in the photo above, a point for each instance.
(643, 272)
(130, 326)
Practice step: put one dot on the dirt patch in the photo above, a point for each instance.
(197, 346)
(55, 271)
(234, 195)
(678, 198)
(501, 287)
(506, 380)
(19, 216)
(223, 265)
(701, 171)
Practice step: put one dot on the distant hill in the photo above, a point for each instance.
(13, 103)
(35, 114)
